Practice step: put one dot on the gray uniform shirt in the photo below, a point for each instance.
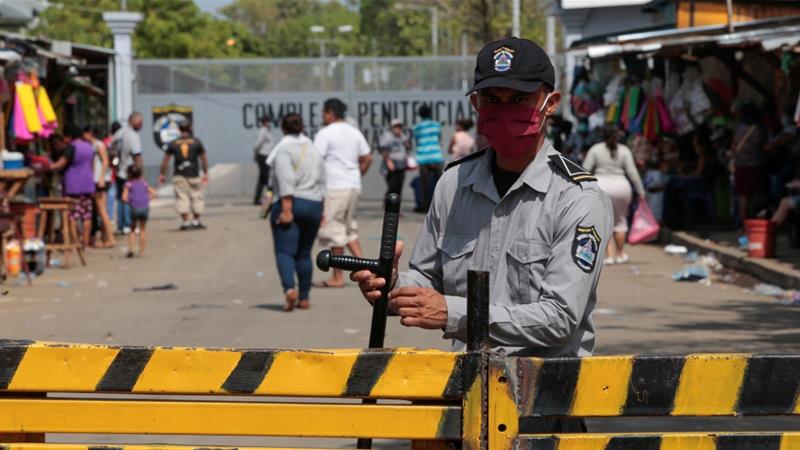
(264, 142)
(128, 144)
(298, 169)
(543, 243)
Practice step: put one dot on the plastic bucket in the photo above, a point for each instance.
(760, 237)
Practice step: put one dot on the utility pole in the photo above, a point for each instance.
(515, 18)
(730, 16)
(435, 30)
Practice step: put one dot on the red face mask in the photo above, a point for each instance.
(511, 128)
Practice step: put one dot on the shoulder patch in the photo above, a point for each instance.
(475, 155)
(572, 169)
(586, 247)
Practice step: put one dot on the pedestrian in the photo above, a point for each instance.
(428, 138)
(347, 158)
(127, 147)
(578, 143)
(77, 162)
(749, 159)
(262, 149)
(187, 182)
(462, 144)
(137, 194)
(299, 186)
(615, 169)
(394, 146)
(519, 210)
(102, 180)
(113, 160)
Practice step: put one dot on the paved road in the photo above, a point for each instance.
(228, 295)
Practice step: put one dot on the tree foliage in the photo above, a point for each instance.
(281, 28)
(170, 29)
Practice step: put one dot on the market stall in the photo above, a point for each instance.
(693, 103)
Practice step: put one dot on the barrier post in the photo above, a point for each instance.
(476, 401)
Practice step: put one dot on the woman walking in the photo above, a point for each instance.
(615, 169)
(78, 160)
(102, 180)
(298, 182)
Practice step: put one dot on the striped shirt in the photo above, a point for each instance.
(427, 135)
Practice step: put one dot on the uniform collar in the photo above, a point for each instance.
(537, 175)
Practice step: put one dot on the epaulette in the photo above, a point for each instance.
(572, 169)
(469, 157)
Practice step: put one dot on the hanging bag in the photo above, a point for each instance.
(645, 227)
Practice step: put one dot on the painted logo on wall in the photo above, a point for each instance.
(165, 123)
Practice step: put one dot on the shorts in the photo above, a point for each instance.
(749, 181)
(619, 190)
(140, 214)
(340, 227)
(82, 208)
(188, 195)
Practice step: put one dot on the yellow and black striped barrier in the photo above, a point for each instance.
(664, 441)
(522, 390)
(40, 367)
(484, 400)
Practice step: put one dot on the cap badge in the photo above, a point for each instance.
(502, 59)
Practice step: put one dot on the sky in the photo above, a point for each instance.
(211, 5)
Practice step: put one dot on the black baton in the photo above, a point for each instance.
(382, 267)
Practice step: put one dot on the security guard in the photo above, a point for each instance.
(535, 220)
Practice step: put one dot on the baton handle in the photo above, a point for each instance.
(326, 261)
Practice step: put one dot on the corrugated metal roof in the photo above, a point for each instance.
(770, 33)
(585, 4)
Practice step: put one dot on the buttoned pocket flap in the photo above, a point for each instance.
(456, 246)
(526, 251)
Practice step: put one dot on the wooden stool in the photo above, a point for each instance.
(51, 207)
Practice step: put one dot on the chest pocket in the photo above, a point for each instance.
(526, 263)
(456, 252)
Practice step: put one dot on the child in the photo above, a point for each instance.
(137, 194)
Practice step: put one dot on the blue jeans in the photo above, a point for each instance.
(293, 243)
(123, 209)
(111, 198)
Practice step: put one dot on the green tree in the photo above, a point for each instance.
(283, 26)
(170, 29)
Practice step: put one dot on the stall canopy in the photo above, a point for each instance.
(771, 34)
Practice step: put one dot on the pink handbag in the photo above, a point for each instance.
(645, 226)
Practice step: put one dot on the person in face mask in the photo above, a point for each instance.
(520, 210)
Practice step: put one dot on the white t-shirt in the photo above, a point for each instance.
(340, 145)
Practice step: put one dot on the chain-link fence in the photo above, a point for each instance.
(227, 97)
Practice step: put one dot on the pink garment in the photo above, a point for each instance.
(21, 132)
(47, 128)
(619, 189)
(463, 144)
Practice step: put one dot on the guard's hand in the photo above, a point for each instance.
(390, 165)
(419, 307)
(162, 179)
(370, 284)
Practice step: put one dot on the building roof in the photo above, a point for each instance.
(769, 33)
(586, 4)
